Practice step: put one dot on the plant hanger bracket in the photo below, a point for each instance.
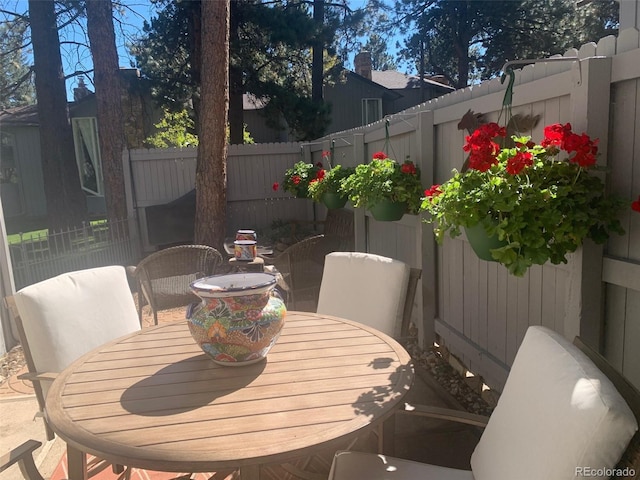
(530, 61)
(387, 139)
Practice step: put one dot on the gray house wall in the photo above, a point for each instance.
(26, 197)
(346, 101)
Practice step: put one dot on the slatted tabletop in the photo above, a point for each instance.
(153, 400)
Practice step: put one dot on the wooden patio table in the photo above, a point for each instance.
(154, 400)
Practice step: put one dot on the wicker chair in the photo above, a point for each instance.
(301, 266)
(163, 277)
(337, 223)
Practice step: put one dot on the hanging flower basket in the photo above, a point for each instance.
(298, 178)
(385, 187)
(542, 206)
(325, 187)
(482, 242)
(388, 211)
(333, 200)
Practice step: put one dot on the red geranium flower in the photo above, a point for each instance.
(635, 205)
(275, 186)
(296, 179)
(556, 134)
(434, 191)
(518, 162)
(481, 147)
(409, 168)
(379, 155)
(320, 174)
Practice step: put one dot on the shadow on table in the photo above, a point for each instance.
(377, 399)
(186, 385)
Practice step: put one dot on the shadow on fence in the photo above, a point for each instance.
(38, 257)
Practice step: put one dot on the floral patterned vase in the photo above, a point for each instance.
(239, 319)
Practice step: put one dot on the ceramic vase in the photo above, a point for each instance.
(239, 319)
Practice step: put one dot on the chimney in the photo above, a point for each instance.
(362, 62)
(81, 90)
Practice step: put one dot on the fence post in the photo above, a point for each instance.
(359, 221)
(590, 98)
(427, 254)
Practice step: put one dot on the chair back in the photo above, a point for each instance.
(559, 416)
(339, 223)
(64, 317)
(302, 266)
(165, 276)
(367, 288)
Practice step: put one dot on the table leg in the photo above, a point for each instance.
(76, 463)
(249, 472)
(386, 436)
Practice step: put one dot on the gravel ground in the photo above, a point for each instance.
(458, 386)
(11, 363)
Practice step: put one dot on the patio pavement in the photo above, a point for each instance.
(419, 439)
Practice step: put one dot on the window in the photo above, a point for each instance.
(371, 110)
(85, 139)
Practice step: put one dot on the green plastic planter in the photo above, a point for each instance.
(388, 211)
(333, 201)
(482, 243)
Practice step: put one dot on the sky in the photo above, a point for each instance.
(133, 15)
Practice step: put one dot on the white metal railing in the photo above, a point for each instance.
(45, 255)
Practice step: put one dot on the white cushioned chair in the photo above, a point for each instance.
(367, 288)
(559, 417)
(62, 318)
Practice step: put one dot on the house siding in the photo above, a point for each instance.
(346, 102)
(27, 196)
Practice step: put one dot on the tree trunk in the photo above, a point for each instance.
(317, 67)
(211, 169)
(107, 81)
(66, 202)
(236, 88)
(195, 53)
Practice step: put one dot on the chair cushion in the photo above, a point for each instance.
(366, 288)
(356, 465)
(66, 316)
(557, 412)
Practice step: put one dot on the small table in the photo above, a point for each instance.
(153, 400)
(255, 265)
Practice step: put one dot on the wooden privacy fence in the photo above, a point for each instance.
(161, 176)
(475, 307)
